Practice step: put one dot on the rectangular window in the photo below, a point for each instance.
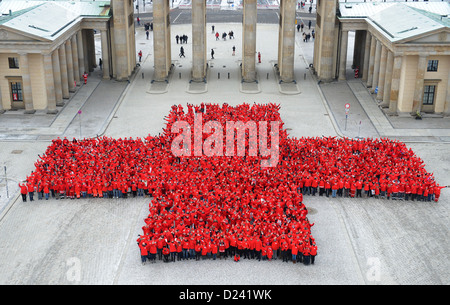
(432, 65)
(16, 91)
(13, 62)
(428, 95)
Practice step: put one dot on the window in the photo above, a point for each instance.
(428, 94)
(16, 91)
(13, 62)
(432, 65)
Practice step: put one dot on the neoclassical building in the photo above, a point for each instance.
(47, 46)
(402, 51)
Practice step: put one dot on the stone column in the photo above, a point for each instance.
(26, 82)
(419, 85)
(1, 102)
(198, 40)
(446, 111)
(343, 55)
(286, 40)
(69, 59)
(80, 48)
(86, 51)
(57, 77)
(249, 41)
(105, 54)
(49, 84)
(161, 40)
(324, 53)
(120, 28)
(358, 49)
(76, 67)
(395, 83)
(64, 73)
(90, 51)
(376, 66)
(387, 80)
(373, 44)
(381, 76)
(365, 67)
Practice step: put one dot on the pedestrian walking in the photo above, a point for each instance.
(182, 52)
(212, 53)
(309, 25)
(217, 35)
(85, 77)
(212, 28)
(259, 57)
(147, 33)
(234, 50)
(140, 55)
(100, 63)
(177, 38)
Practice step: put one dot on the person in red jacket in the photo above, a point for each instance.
(160, 243)
(198, 250)
(30, 189)
(327, 187)
(179, 250)
(144, 251)
(294, 252)
(214, 249)
(166, 253)
(437, 192)
(359, 187)
(314, 185)
(152, 250)
(275, 247)
(258, 248)
(23, 191)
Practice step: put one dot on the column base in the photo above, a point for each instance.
(55, 111)
(32, 111)
(384, 104)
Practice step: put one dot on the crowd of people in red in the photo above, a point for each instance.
(219, 206)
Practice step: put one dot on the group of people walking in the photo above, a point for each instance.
(181, 39)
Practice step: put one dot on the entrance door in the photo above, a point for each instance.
(16, 89)
(429, 94)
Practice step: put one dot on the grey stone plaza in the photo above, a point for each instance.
(93, 241)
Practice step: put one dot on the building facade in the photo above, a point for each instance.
(42, 60)
(401, 49)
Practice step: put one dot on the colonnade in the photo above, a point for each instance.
(162, 38)
(64, 67)
(380, 67)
